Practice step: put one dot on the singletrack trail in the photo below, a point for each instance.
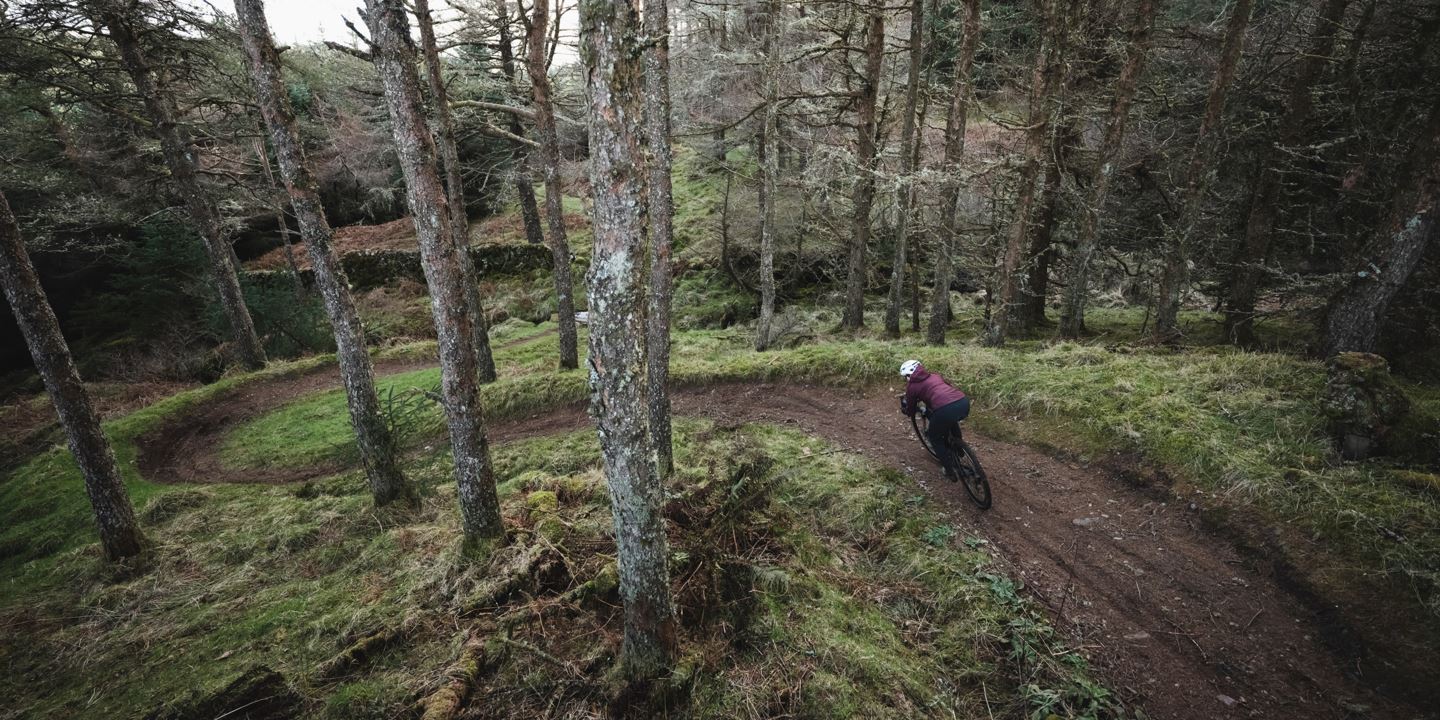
(1171, 614)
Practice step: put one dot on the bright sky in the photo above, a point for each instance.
(302, 21)
(298, 21)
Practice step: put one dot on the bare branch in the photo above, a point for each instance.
(526, 113)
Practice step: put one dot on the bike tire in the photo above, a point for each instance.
(921, 424)
(977, 484)
(971, 473)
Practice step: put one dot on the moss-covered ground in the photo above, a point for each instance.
(1244, 428)
(809, 583)
(866, 602)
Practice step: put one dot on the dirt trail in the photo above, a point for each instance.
(1172, 615)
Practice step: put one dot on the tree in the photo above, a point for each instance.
(769, 174)
(1046, 77)
(114, 517)
(124, 25)
(449, 157)
(1031, 310)
(612, 42)
(372, 435)
(1072, 312)
(538, 67)
(1175, 270)
(281, 197)
(905, 192)
(960, 93)
(866, 105)
(1354, 318)
(661, 217)
(443, 265)
(1260, 222)
(524, 187)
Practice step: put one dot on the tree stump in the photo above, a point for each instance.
(1362, 403)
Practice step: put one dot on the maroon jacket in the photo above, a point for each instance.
(929, 388)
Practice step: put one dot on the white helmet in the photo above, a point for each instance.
(908, 367)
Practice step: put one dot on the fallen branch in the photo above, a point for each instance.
(519, 573)
(352, 52)
(537, 652)
(458, 679)
(488, 129)
(599, 589)
(364, 649)
(526, 113)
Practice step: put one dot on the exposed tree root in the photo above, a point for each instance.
(458, 680)
(362, 650)
(529, 569)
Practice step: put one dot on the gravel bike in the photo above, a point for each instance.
(967, 464)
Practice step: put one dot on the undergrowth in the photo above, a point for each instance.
(809, 583)
(1244, 428)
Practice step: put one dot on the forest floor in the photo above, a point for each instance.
(399, 235)
(1175, 516)
(1176, 617)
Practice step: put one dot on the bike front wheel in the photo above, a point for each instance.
(922, 424)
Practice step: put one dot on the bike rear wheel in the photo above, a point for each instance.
(968, 469)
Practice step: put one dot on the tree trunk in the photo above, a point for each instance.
(1045, 83)
(449, 156)
(281, 227)
(441, 258)
(524, 184)
(769, 175)
(1042, 234)
(1260, 223)
(1357, 313)
(1175, 271)
(954, 151)
(867, 99)
(916, 162)
(180, 153)
(114, 517)
(372, 435)
(660, 216)
(1072, 313)
(611, 42)
(905, 192)
(549, 138)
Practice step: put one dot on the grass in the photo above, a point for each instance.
(867, 602)
(1242, 429)
(1245, 426)
(855, 606)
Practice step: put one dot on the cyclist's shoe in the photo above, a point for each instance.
(950, 474)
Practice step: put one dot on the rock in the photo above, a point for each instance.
(1362, 403)
(1225, 700)
(1085, 521)
(1138, 636)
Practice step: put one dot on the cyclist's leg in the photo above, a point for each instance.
(942, 424)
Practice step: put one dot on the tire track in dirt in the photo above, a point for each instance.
(1170, 613)
(187, 448)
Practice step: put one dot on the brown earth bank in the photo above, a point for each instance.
(400, 235)
(1176, 618)
(28, 424)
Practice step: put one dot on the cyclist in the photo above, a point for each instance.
(946, 403)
